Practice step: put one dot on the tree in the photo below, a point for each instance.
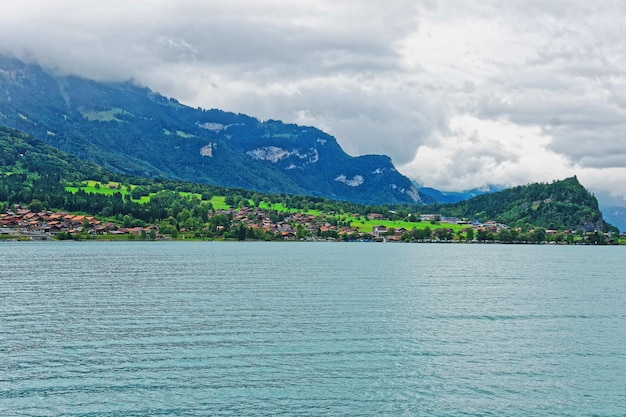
(127, 222)
(219, 220)
(301, 232)
(63, 235)
(139, 192)
(443, 234)
(36, 206)
(427, 233)
(505, 236)
(539, 234)
(481, 235)
(241, 232)
(597, 238)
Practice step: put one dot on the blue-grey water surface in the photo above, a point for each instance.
(266, 329)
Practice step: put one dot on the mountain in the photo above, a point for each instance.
(132, 130)
(431, 195)
(615, 215)
(564, 204)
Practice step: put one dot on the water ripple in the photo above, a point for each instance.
(130, 329)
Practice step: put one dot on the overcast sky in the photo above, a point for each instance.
(459, 93)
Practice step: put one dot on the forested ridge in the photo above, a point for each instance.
(563, 204)
(132, 130)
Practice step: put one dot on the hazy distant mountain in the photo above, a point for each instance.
(432, 195)
(615, 215)
(133, 130)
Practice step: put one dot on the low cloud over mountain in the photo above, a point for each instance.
(459, 94)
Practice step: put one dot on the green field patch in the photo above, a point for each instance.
(219, 203)
(276, 207)
(103, 116)
(189, 195)
(366, 226)
(110, 188)
(281, 208)
(91, 188)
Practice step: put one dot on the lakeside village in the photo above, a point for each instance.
(20, 223)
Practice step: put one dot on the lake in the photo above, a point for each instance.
(303, 329)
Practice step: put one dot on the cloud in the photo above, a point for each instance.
(459, 94)
(476, 152)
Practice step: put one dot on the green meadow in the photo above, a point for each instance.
(219, 203)
(366, 225)
(95, 187)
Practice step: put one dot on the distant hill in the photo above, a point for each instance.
(133, 130)
(564, 204)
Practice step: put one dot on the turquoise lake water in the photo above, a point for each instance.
(306, 329)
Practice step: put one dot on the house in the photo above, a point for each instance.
(130, 230)
(428, 217)
(379, 231)
(400, 231)
(105, 228)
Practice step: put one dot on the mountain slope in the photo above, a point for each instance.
(30, 169)
(561, 205)
(132, 130)
(615, 215)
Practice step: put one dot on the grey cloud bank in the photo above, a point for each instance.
(459, 94)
